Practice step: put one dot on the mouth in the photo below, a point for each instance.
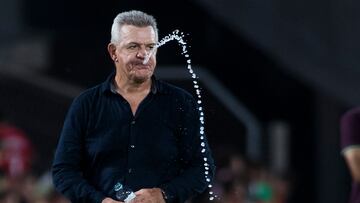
(141, 66)
(138, 65)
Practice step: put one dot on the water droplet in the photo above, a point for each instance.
(179, 36)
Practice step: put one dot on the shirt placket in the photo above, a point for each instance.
(135, 128)
(132, 145)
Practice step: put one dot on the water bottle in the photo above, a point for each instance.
(123, 193)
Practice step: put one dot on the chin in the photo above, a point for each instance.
(142, 75)
(141, 79)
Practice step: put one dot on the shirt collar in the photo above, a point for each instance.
(109, 86)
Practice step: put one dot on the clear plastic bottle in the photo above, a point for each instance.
(123, 193)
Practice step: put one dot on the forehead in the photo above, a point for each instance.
(130, 33)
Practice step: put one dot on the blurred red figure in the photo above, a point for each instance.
(15, 151)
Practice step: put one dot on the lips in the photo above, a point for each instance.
(141, 66)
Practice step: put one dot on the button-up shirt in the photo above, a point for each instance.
(102, 142)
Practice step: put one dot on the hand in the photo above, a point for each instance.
(109, 200)
(152, 195)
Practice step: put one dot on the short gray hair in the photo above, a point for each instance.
(133, 17)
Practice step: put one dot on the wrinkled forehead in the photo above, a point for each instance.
(143, 35)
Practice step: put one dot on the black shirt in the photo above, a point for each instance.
(102, 143)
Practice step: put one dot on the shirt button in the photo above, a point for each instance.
(133, 122)
(132, 146)
(129, 170)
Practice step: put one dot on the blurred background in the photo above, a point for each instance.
(275, 76)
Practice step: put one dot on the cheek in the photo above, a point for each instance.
(125, 57)
(153, 61)
(126, 61)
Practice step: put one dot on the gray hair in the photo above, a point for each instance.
(133, 17)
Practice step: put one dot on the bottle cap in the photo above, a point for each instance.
(118, 186)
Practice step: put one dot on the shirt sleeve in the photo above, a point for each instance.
(350, 129)
(198, 164)
(67, 163)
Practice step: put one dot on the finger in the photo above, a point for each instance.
(141, 191)
(139, 200)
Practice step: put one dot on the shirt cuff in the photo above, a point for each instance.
(168, 194)
(98, 198)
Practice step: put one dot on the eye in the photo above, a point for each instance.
(131, 47)
(150, 47)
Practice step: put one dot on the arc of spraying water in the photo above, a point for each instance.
(176, 35)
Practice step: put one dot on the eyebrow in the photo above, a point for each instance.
(136, 43)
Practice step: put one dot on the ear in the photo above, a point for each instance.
(111, 49)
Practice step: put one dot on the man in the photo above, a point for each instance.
(132, 129)
(350, 145)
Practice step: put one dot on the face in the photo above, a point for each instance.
(129, 53)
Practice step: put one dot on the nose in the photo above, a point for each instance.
(142, 53)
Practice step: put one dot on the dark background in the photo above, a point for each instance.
(294, 62)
